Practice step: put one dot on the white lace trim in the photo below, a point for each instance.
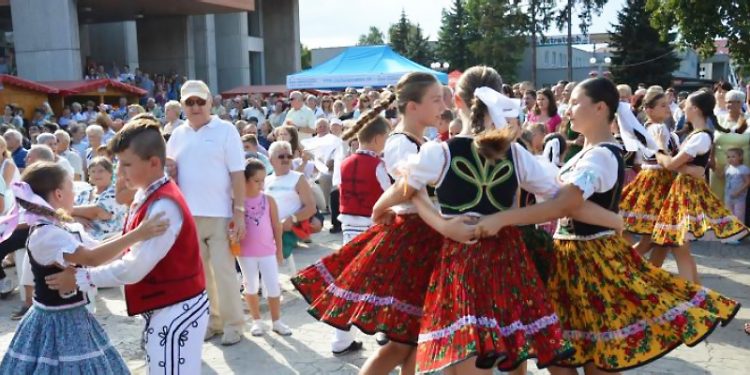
(62, 358)
(642, 324)
(486, 322)
(694, 219)
(637, 215)
(61, 307)
(365, 297)
(578, 237)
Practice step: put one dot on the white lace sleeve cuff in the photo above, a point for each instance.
(83, 280)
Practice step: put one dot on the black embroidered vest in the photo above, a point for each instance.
(474, 184)
(42, 293)
(609, 199)
(702, 159)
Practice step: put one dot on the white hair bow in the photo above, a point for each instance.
(499, 106)
(629, 125)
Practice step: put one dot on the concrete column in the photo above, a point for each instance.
(112, 43)
(232, 50)
(281, 39)
(165, 44)
(205, 50)
(45, 33)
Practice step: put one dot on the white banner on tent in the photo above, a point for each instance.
(342, 80)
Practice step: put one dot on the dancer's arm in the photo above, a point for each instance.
(108, 250)
(458, 228)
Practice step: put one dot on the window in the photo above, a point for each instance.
(554, 58)
(546, 58)
(254, 24)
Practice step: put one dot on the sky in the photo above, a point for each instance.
(337, 23)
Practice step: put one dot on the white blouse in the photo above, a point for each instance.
(397, 149)
(433, 161)
(593, 170)
(49, 243)
(697, 144)
(551, 151)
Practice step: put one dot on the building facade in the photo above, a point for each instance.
(226, 43)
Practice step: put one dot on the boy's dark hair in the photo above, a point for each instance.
(142, 135)
(252, 167)
(250, 138)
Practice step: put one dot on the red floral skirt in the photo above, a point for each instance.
(377, 282)
(486, 300)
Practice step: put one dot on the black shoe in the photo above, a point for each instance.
(353, 347)
(335, 230)
(18, 314)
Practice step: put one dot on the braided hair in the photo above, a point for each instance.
(493, 144)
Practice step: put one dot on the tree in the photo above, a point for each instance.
(418, 47)
(634, 61)
(398, 34)
(453, 37)
(497, 34)
(407, 39)
(565, 19)
(540, 16)
(700, 22)
(306, 57)
(373, 37)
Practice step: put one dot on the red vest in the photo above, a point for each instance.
(359, 189)
(179, 275)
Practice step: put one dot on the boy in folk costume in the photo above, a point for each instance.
(163, 276)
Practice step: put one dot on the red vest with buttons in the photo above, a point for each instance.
(359, 189)
(179, 275)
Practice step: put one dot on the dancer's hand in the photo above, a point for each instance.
(460, 229)
(64, 281)
(488, 226)
(384, 217)
(152, 227)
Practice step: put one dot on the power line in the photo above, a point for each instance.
(645, 61)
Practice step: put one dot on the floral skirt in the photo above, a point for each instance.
(619, 312)
(487, 303)
(65, 342)
(690, 210)
(642, 199)
(376, 282)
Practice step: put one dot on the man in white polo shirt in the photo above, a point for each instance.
(300, 116)
(210, 165)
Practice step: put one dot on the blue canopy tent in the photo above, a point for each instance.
(375, 66)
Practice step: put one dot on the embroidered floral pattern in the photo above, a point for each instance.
(692, 209)
(377, 281)
(643, 198)
(477, 306)
(620, 312)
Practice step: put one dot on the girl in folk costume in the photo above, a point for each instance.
(690, 208)
(617, 310)
(479, 312)
(58, 335)
(643, 198)
(378, 280)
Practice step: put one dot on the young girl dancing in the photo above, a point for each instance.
(480, 313)
(378, 280)
(58, 335)
(691, 209)
(617, 310)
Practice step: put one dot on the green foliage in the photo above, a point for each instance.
(699, 23)
(408, 40)
(306, 57)
(373, 37)
(634, 61)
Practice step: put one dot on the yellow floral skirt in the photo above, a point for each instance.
(642, 199)
(690, 210)
(619, 312)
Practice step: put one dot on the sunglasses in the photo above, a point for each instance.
(191, 102)
(285, 157)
